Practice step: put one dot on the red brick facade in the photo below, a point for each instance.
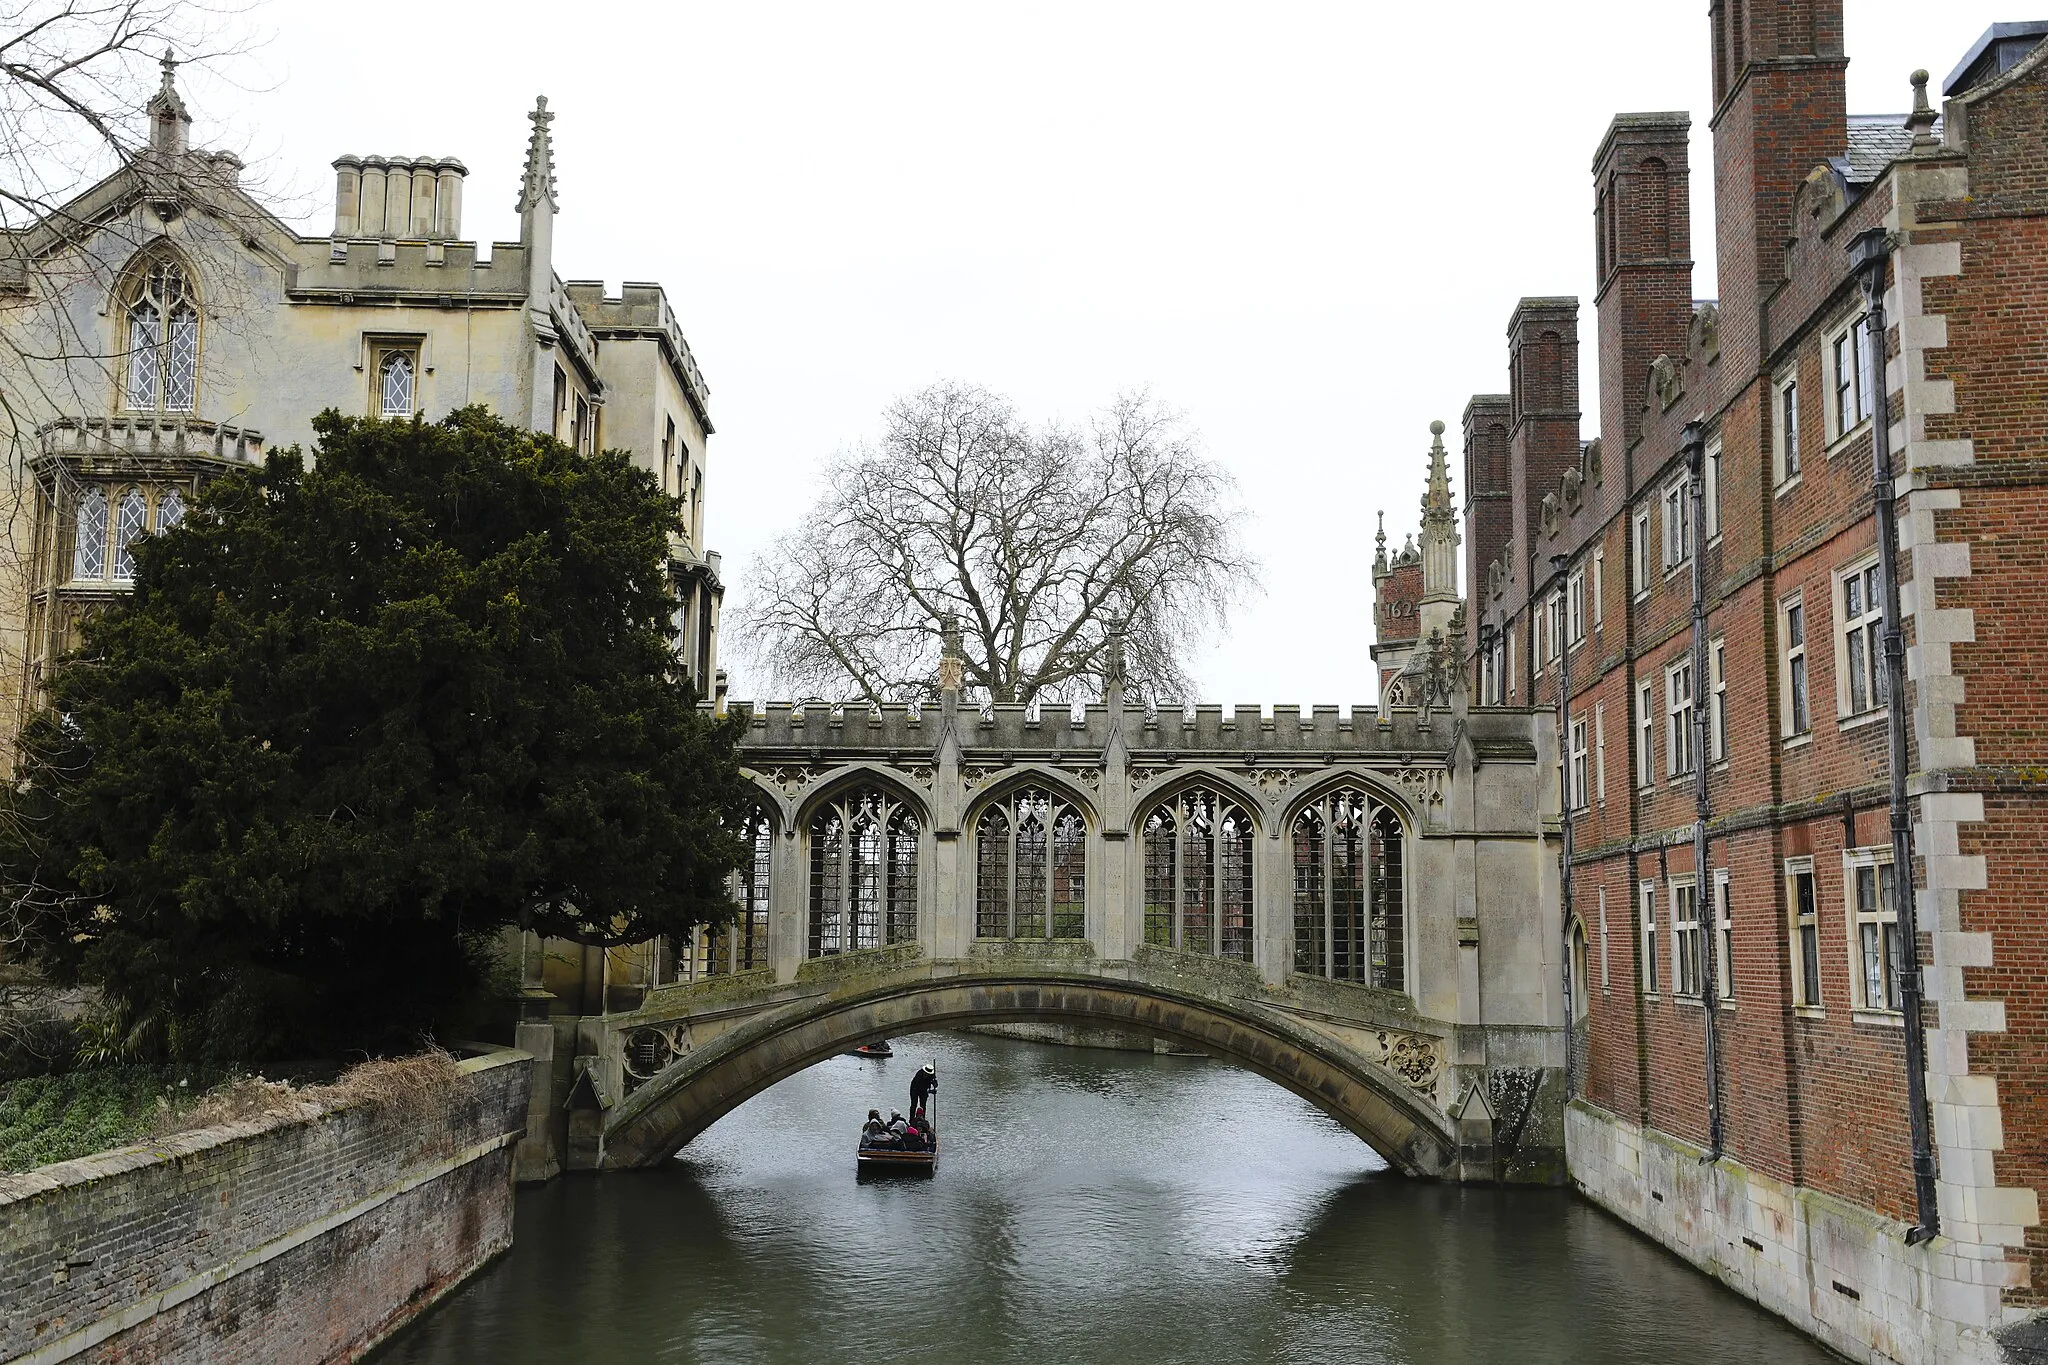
(1814, 1089)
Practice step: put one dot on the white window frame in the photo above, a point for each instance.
(1687, 945)
(1646, 912)
(1677, 540)
(1803, 935)
(1599, 584)
(1575, 608)
(1678, 739)
(1600, 752)
(1866, 629)
(1641, 545)
(1575, 779)
(1711, 473)
(1508, 634)
(1785, 466)
(1646, 736)
(1724, 924)
(1794, 672)
(1866, 877)
(1840, 392)
(1717, 713)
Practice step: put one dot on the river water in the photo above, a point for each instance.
(1089, 1206)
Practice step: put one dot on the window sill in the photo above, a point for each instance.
(1847, 438)
(1787, 486)
(1798, 741)
(1863, 718)
(1879, 1018)
(1809, 1011)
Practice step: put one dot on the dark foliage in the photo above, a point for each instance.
(354, 722)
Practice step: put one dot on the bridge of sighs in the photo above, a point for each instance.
(1360, 906)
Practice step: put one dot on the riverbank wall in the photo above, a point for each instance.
(291, 1239)
(1838, 1272)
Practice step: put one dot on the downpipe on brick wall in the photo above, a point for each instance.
(1564, 786)
(1869, 257)
(1706, 916)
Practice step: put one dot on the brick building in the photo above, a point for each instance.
(1580, 565)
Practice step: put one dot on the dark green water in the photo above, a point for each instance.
(1089, 1207)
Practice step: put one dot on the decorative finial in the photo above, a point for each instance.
(538, 182)
(170, 66)
(170, 123)
(1114, 664)
(1436, 502)
(1921, 120)
(952, 666)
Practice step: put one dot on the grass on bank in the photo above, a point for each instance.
(45, 1119)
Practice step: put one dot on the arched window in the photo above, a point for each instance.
(131, 524)
(89, 552)
(743, 945)
(1348, 924)
(163, 342)
(1031, 868)
(170, 509)
(394, 384)
(863, 873)
(1198, 876)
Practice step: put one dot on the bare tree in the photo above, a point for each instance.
(1043, 543)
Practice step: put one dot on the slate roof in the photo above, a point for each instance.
(1875, 141)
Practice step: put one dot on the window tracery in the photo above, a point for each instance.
(1198, 875)
(130, 526)
(743, 944)
(89, 550)
(163, 342)
(864, 859)
(395, 385)
(1349, 923)
(170, 510)
(1031, 868)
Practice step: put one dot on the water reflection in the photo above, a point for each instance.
(1089, 1206)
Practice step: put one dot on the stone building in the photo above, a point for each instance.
(193, 329)
(1699, 595)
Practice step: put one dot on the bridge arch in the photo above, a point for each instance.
(701, 1087)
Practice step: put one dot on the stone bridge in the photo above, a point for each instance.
(1360, 906)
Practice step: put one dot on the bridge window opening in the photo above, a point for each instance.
(1031, 869)
(863, 874)
(1198, 883)
(743, 944)
(1348, 912)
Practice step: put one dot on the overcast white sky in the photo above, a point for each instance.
(1303, 224)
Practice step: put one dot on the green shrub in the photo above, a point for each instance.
(55, 1118)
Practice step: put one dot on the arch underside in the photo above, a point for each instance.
(703, 1086)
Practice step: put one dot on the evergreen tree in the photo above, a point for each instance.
(356, 720)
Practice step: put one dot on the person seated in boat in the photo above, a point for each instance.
(898, 1127)
(874, 1130)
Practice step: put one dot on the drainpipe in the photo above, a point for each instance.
(1564, 732)
(1704, 912)
(1869, 255)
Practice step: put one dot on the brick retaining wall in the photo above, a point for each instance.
(283, 1240)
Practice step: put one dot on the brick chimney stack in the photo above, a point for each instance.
(1543, 406)
(1780, 109)
(1489, 500)
(1642, 261)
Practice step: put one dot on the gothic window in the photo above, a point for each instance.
(863, 873)
(1348, 922)
(1198, 876)
(163, 342)
(89, 552)
(395, 378)
(1031, 868)
(743, 944)
(170, 510)
(131, 524)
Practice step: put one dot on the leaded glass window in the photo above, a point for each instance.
(395, 384)
(1198, 875)
(170, 509)
(743, 945)
(1031, 868)
(163, 342)
(131, 524)
(1347, 890)
(863, 873)
(89, 552)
